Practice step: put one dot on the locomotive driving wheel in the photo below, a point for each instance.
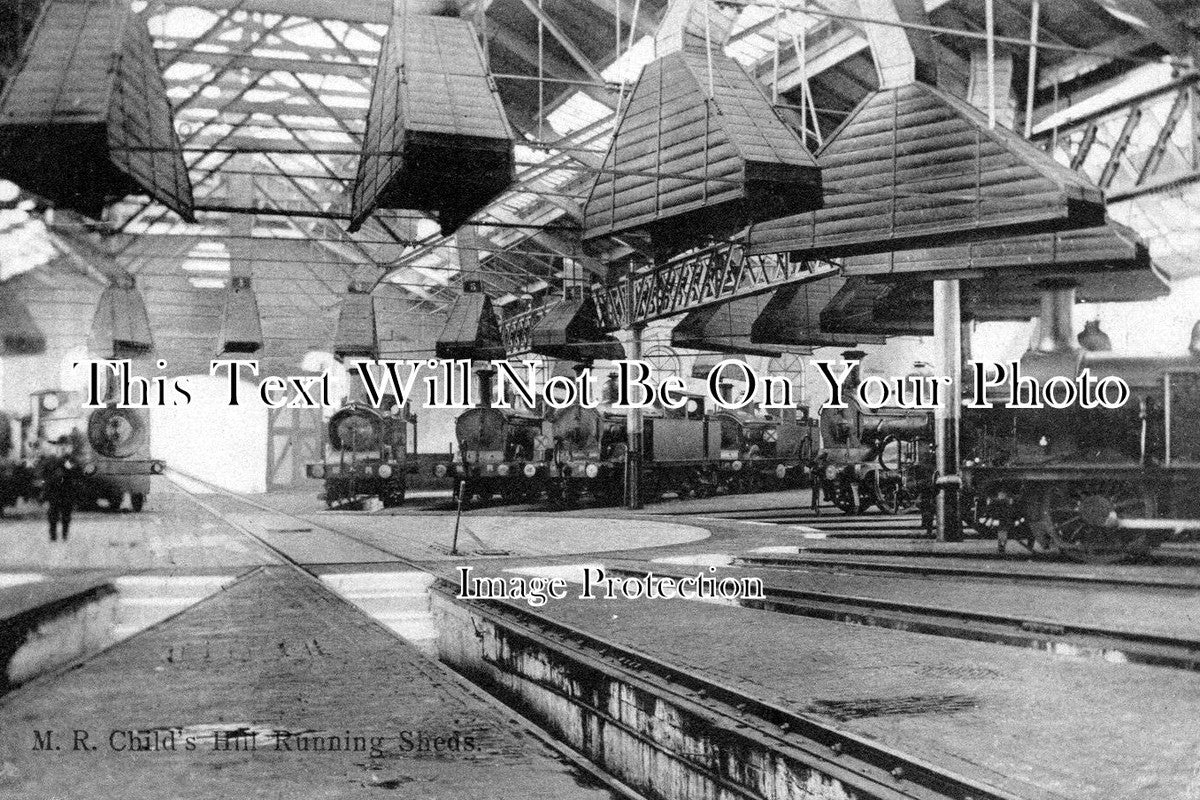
(844, 494)
(1076, 513)
(886, 493)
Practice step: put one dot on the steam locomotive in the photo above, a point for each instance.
(578, 451)
(366, 455)
(882, 456)
(114, 453)
(1099, 485)
(501, 452)
(119, 440)
(17, 476)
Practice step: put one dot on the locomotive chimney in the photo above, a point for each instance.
(1052, 352)
(1057, 320)
(610, 389)
(1194, 345)
(486, 378)
(855, 376)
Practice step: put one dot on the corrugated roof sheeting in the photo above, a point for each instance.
(437, 138)
(685, 165)
(912, 165)
(85, 117)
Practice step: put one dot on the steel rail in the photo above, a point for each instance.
(872, 767)
(1139, 647)
(541, 734)
(868, 766)
(782, 562)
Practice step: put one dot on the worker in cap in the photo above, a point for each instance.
(60, 471)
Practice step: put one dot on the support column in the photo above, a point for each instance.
(633, 430)
(947, 330)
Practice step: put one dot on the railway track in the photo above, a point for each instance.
(866, 766)
(1077, 639)
(802, 562)
(863, 765)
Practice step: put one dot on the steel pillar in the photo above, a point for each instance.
(947, 330)
(633, 430)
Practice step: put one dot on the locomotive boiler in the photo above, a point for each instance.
(120, 445)
(366, 455)
(1099, 485)
(590, 450)
(872, 456)
(501, 451)
(761, 453)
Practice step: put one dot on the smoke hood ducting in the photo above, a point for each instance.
(570, 330)
(471, 331)
(1109, 246)
(356, 335)
(694, 158)
(241, 325)
(852, 311)
(724, 328)
(792, 316)
(84, 116)
(437, 138)
(905, 307)
(913, 166)
(121, 326)
(19, 334)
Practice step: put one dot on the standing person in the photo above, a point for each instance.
(60, 471)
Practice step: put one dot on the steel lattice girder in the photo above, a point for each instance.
(712, 276)
(1144, 144)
